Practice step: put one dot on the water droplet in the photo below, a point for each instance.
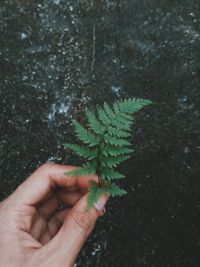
(23, 36)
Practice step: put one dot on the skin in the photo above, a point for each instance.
(34, 231)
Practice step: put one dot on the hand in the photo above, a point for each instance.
(34, 232)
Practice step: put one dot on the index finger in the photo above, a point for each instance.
(45, 179)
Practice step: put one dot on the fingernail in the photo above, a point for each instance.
(100, 205)
(103, 212)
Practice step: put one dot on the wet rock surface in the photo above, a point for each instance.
(59, 56)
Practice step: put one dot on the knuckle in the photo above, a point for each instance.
(46, 166)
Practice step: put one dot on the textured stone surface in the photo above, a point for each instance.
(58, 56)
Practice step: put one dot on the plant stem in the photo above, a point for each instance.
(99, 163)
(98, 172)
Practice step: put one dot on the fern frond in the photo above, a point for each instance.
(116, 107)
(94, 124)
(85, 136)
(127, 117)
(109, 112)
(110, 174)
(103, 117)
(117, 132)
(115, 141)
(82, 151)
(88, 168)
(105, 145)
(121, 126)
(117, 117)
(113, 161)
(121, 120)
(132, 105)
(116, 151)
(114, 190)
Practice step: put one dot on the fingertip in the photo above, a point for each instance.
(100, 205)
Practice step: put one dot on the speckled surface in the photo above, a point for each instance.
(58, 56)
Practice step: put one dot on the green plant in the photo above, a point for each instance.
(105, 145)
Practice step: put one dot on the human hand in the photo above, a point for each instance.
(34, 231)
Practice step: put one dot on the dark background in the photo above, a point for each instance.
(59, 56)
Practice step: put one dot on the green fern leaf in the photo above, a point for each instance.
(116, 151)
(116, 107)
(128, 117)
(132, 105)
(103, 117)
(115, 141)
(82, 151)
(118, 117)
(121, 121)
(94, 125)
(85, 136)
(109, 174)
(113, 161)
(109, 112)
(121, 126)
(88, 168)
(117, 132)
(114, 190)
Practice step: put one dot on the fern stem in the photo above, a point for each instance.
(99, 163)
(99, 152)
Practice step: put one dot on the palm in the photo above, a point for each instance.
(44, 228)
(44, 221)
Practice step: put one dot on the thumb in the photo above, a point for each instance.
(77, 226)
